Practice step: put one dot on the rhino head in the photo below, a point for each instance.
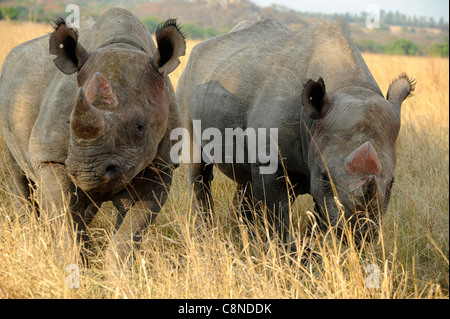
(120, 113)
(352, 153)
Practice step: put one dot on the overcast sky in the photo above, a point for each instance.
(429, 8)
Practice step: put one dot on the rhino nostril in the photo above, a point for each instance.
(370, 182)
(112, 171)
(370, 188)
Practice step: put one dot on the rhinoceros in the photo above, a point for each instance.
(85, 115)
(336, 133)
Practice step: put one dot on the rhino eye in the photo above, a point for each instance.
(140, 128)
(138, 132)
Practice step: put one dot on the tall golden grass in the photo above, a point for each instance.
(175, 261)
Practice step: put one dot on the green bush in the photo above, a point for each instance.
(197, 31)
(10, 13)
(402, 47)
(369, 46)
(438, 49)
(193, 31)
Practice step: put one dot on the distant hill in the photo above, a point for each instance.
(398, 33)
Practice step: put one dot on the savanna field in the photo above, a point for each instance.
(408, 260)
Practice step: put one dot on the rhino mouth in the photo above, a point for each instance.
(101, 188)
(363, 224)
(92, 185)
(105, 180)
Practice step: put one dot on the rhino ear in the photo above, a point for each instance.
(315, 100)
(70, 55)
(171, 45)
(400, 89)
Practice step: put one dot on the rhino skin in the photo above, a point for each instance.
(92, 124)
(333, 121)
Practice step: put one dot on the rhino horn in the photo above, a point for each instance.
(87, 122)
(100, 92)
(363, 160)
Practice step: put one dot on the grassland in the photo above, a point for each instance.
(177, 262)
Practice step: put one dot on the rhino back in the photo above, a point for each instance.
(264, 55)
(234, 59)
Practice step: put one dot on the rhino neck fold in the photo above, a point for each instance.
(122, 40)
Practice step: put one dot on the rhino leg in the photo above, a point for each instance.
(200, 177)
(138, 207)
(90, 212)
(24, 200)
(272, 200)
(244, 203)
(62, 207)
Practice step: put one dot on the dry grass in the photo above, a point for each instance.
(177, 262)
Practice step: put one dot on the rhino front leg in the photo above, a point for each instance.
(138, 207)
(200, 177)
(62, 207)
(272, 199)
(23, 193)
(244, 203)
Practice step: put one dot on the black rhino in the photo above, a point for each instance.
(93, 124)
(336, 132)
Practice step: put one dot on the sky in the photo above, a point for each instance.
(429, 8)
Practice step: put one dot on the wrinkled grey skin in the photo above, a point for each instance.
(314, 87)
(80, 146)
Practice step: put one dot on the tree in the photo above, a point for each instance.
(10, 13)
